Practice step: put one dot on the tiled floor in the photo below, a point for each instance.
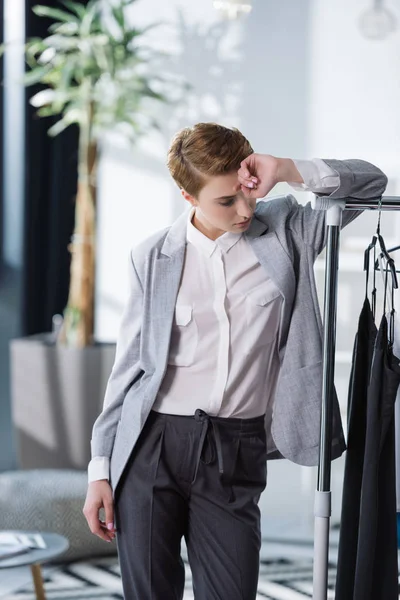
(279, 579)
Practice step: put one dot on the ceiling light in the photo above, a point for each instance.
(232, 9)
(377, 22)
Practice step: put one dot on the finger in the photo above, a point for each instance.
(105, 526)
(95, 526)
(247, 182)
(248, 166)
(249, 193)
(97, 529)
(109, 534)
(251, 185)
(246, 174)
(246, 191)
(109, 512)
(104, 535)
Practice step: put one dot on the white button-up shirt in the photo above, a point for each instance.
(223, 355)
(223, 351)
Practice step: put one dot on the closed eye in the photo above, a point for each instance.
(229, 203)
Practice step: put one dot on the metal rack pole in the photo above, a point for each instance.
(322, 508)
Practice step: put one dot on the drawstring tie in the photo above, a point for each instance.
(205, 419)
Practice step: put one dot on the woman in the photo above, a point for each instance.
(218, 367)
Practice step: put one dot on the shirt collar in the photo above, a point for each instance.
(203, 243)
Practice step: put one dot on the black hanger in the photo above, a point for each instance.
(384, 253)
(372, 246)
(394, 250)
(389, 262)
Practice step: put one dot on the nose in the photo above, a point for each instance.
(245, 210)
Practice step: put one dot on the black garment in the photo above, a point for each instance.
(376, 576)
(197, 477)
(356, 426)
(367, 560)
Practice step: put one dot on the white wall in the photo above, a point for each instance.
(354, 86)
(252, 74)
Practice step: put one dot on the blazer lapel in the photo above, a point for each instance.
(277, 265)
(165, 280)
(272, 257)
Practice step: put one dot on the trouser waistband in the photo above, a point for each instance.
(211, 423)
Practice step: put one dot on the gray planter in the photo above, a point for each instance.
(56, 393)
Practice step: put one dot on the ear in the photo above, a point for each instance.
(188, 197)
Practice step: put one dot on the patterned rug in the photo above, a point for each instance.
(280, 579)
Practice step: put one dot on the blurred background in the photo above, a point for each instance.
(300, 79)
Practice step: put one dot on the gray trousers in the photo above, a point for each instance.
(197, 477)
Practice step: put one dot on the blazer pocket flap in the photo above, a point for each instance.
(183, 314)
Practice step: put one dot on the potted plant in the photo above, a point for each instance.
(96, 75)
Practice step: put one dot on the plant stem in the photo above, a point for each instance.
(78, 325)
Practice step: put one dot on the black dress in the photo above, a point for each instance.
(367, 560)
(376, 575)
(356, 425)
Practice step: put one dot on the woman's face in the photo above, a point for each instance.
(221, 206)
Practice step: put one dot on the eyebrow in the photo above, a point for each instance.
(226, 197)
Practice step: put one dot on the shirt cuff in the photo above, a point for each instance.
(99, 468)
(318, 177)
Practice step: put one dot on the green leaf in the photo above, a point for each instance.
(119, 16)
(70, 117)
(67, 72)
(35, 75)
(62, 42)
(75, 7)
(43, 98)
(99, 39)
(156, 125)
(47, 56)
(70, 28)
(53, 13)
(92, 16)
(33, 47)
(147, 91)
(58, 128)
(47, 111)
(151, 26)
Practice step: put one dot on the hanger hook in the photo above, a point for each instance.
(378, 229)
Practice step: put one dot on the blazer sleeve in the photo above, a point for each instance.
(126, 369)
(359, 180)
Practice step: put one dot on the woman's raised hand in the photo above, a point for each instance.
(258, 174)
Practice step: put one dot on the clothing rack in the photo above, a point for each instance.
(322, 508)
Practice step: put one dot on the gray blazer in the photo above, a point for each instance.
(286, 238)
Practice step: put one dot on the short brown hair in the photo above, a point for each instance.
(204, 150)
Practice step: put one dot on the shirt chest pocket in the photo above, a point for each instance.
(263, 315)
(184, 337)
